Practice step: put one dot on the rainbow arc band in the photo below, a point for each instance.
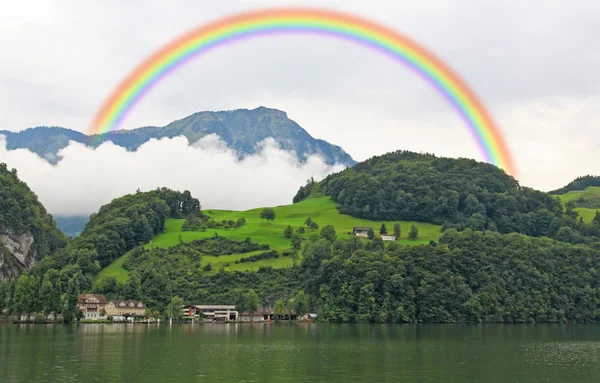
(329, 23)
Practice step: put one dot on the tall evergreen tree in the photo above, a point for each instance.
(71, 299)
(397, 230)
(383, 229)
(414, 233)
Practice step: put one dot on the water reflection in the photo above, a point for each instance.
(299, 353)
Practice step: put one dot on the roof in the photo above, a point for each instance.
(99, 297)
(246, 313)
(127, 303)
(388, 235)
(214, 307)
(361, 228)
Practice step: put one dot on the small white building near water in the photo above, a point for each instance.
(388, 237)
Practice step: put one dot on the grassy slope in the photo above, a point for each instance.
(590, 193)
(322, 210)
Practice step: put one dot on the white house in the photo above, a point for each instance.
(388, 237)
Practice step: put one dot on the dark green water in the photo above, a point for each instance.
(299, 353)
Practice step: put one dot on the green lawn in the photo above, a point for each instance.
(590, 194)
(322, 211)
(585, 213)
(115, 269)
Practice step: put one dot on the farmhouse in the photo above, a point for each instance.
(91, 306)
(361, 231)
(388, 237)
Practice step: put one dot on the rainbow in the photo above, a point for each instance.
(309, 21)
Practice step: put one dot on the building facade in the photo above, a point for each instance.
(361, 231)
(210, 313)
(91, 306)
(388, 237)
(126, 309)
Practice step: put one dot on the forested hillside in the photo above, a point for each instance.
(118, 227)
(468, 277)
(459, 193)
(27, 232)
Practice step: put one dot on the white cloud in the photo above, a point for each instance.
(86, 178)
(520, 57)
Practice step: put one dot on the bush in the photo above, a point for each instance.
(39, 319)
(261, 256)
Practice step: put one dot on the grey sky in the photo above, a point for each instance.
(535, 65)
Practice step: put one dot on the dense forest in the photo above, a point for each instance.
(468, 276)
(22, 213)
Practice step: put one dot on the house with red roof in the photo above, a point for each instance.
(91, 306)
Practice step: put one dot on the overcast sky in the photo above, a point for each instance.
(535, 66)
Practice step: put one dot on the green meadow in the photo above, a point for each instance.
(586, 214)
(321, 210)
(590, 198)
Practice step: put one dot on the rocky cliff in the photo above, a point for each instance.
(27, 232)
(17, 253)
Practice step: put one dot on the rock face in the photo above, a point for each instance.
(17, 253)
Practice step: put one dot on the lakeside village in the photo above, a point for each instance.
(95, 308)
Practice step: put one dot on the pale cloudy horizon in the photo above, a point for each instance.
(534, 65)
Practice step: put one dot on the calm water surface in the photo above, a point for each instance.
(299, 353)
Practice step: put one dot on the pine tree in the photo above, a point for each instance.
(383, 229)
(414, 233)
(397, 230)
(70, 308)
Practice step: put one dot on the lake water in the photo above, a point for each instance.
(299, 353)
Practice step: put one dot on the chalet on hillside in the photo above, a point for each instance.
(361, 231)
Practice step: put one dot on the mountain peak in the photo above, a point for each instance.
(241, 129)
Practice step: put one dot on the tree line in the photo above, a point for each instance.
(52, 295)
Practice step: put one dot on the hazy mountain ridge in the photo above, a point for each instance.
(241, 129)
